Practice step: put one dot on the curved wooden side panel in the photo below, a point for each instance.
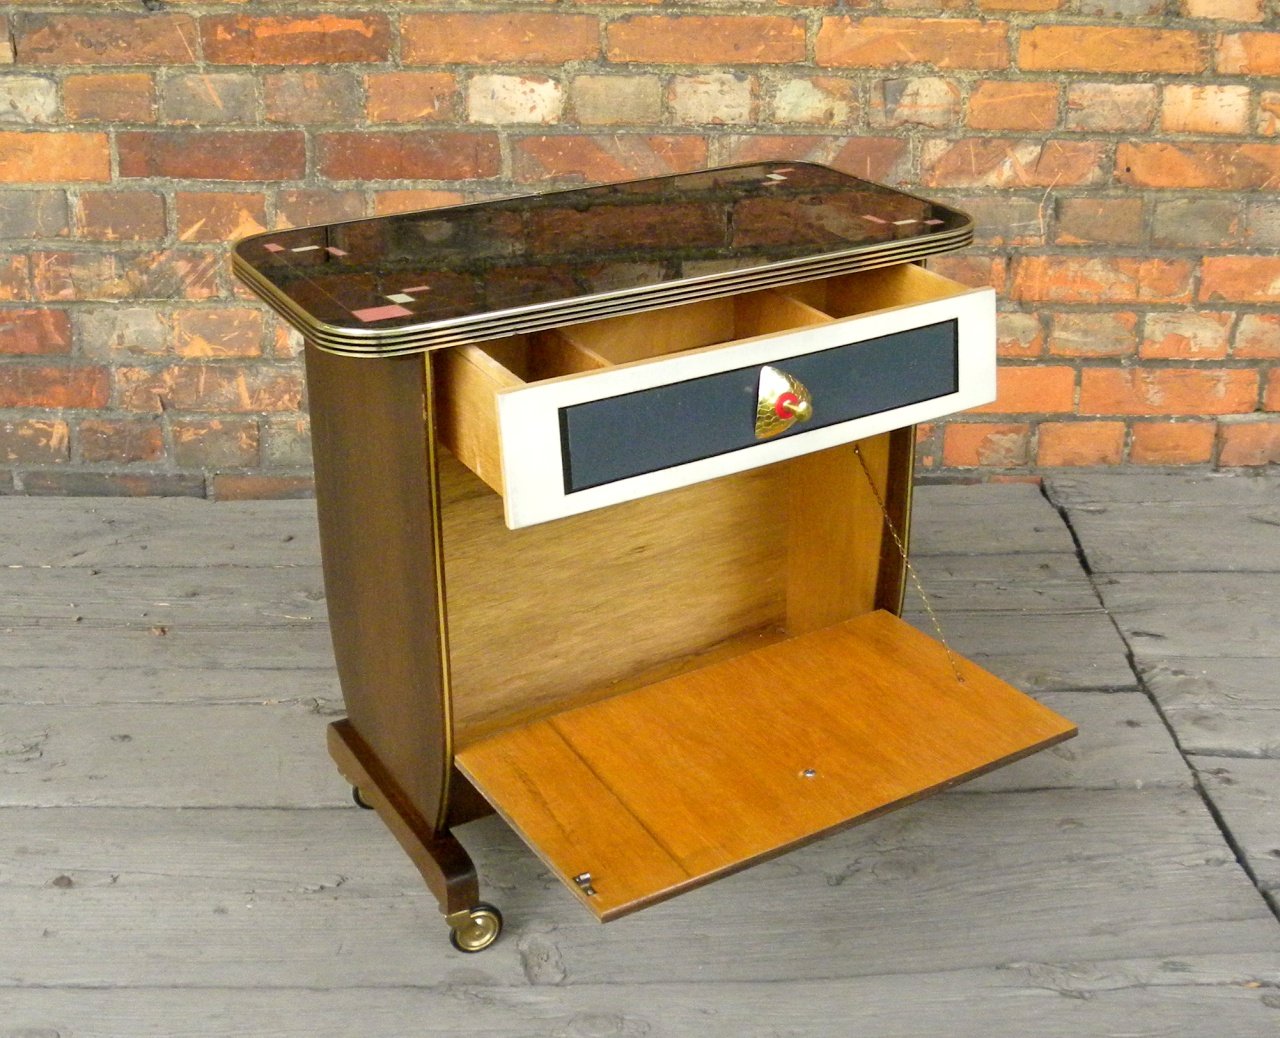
(376, 498)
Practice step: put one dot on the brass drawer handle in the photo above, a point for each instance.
(781, 401)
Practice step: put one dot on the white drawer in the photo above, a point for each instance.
(593, 414)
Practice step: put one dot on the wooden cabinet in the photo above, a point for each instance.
(623, 562)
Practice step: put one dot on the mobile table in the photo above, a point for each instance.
(614, 489)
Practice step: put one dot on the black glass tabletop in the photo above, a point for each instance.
(416, 280)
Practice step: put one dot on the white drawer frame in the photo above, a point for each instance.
(529, 416)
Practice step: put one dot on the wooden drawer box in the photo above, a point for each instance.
(564, 421)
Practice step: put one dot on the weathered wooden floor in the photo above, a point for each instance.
(177, 856)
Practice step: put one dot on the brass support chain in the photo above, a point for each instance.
(911, 570)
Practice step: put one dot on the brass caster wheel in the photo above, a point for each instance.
(361, 802)
(475, 930)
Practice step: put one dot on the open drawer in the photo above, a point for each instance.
(565, 421)
(636, 798)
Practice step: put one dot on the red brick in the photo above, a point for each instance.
(915, 101)
(1172, 443)
(410, 97)
(522, 37)
(113, 97)
(37, 158)
(1205, 108)
(307, 206)
(1228, 10)
(1271, 397)
(297, 39)
(1005, 219)
(986, 445)
(706, 39)
(609, 157)
(218, 332)
(1238, 167)
(1006, 162)
(216, 444)
(887, 42)
(1032, 390)
(15, 278)
(76, 483)
(163, 274)
(26, 385)
(1111, 107)
(1197, 222)
(1108, 48)
(387, 202)
(219, 216)
(258, 488)
(1240, 279)
(1249, 53)
(1249, 443)
(1110, 334)
(110, 332)
(106, 39)
(120, 216)
(34, 332)
(415, 155)
(1186, 335)
(1258, 335)
(1062, 444)
(213, 154)
(1191, 391)
(214, 387)
(1019, 335)
(1101, 279)
(1100, 221)
(1013, 105)
(34, 442)
(34, 214)
(121, 442)
(1021, 5)
(311, 97)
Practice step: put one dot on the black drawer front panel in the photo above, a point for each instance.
(651, 429)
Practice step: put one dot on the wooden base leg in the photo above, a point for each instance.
(440, 858)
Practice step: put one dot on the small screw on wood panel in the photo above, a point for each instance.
(809, 773)
(583, 879)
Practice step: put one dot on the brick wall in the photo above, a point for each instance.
(1120, 156)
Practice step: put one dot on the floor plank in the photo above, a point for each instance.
(259, 899)
(1196, 614)
(1245, 792)
(230, 597)
(1219, 706)
(85, 531)
(1230, 995)
(986, 519)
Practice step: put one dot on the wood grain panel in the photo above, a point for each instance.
(546, 616)
(714, 764)
(375, 498)
(835, 534)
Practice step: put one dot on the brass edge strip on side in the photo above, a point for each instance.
(442, 616)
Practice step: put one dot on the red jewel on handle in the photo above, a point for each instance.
(785, 405)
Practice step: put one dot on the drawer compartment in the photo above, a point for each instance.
(582, 417)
